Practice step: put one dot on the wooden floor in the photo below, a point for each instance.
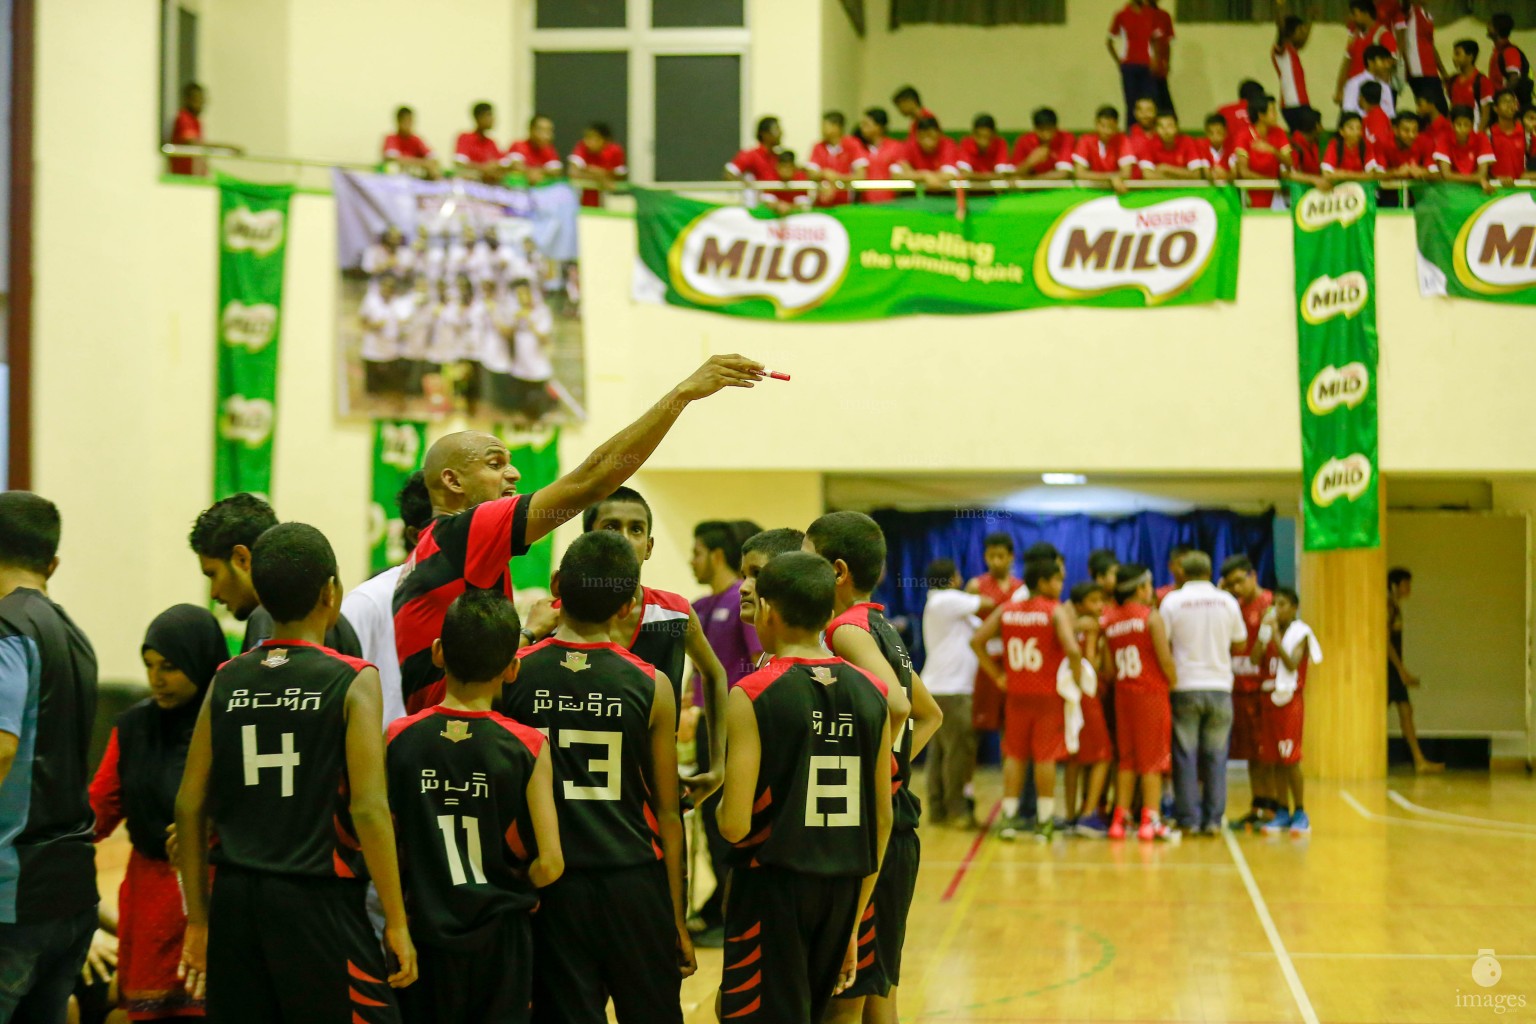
(1379, 916)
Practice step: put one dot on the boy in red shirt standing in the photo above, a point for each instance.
(1216, 147)
(1291, 34)
(1306, 160)
(1130, 44)
(1508, 64)
(1507, 138)
(910, 106)
(1137, 649)
(1105, 155)
(836, 157)
(1292, 647)
(1365, 31)
(1248, 671)
(1374, 120)
(599, 161)
(1415, 27)
(1466, 156)
(1469, 87)
(760, 163)
(1263, 151)
(1045, 152)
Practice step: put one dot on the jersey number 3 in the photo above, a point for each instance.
(843, 794)
(606, 766)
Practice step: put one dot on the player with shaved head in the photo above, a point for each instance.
(480, 521)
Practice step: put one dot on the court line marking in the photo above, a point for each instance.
(1395, 956)
(956, 921)
(970, 855)
(1430, 812)
(1390, 819)
(1287, 968)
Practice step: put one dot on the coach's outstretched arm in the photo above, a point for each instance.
(618, 459)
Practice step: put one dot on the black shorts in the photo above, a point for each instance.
(601, 934)
(1397, 690)
(289, 949)
(786, 935)
(489, 983)
(883, 931)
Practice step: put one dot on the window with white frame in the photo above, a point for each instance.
(667, 76)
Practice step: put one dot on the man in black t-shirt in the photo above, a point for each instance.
(807, 801)
(222, 538)
(287, 764)
(613, 925)
(474, 806)
(47, 707)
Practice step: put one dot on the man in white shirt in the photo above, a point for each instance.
(369, 606)
(1205, 628)
(950, 617)
(1379, 65)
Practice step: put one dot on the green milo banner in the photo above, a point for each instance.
(253, 227)
(1066, 247)
(1476, 246)
(536, 454)
(1335, 252)
(398, 448)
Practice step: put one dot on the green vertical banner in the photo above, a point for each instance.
(253, 230)
(1335, 253)
(537, 456)
(398, 448)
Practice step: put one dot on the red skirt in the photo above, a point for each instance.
(151, 924)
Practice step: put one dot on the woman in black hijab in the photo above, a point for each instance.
(137, 783)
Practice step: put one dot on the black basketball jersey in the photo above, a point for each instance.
(819, 724)
(593, 702)
(661, 637)
(458, 787)
(871, 618)
(278, 791)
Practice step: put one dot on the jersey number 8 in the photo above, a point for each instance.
(842, 794)
(1025, 656)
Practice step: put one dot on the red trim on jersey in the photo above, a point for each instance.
(754, 684)
(869, 913)
(577, 645)
(362, 1000)
(855, 615)
(746, 986)
(361, 975)
(428, 697)
(515, 842)
(340, 866)
(754, 1005)
(756, 839)
(399, 725)
(750, 933)
(658, 599)
(650, 819)
(485, 557)
(530, 737)
(763, 802)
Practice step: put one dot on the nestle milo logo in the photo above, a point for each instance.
(728, 255)
(1495, 251)
(1349, 478)
(1101, 246)
(400, 446)
(248, 326)
(1336, 386)
(1343, 204)
(259, 233)
(247, 420)
(1328, 297)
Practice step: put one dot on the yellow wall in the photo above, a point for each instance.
(784, 68)
(842, 68)
(1011, 70)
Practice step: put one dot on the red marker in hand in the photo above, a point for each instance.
(776, 375)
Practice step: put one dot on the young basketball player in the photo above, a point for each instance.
(997, 584)
(1294, 647)
(287, 764)
(756, 552)
(613, 926)
(469, 789)
(807, 801)
(1249, 672)
(1136, 646)
(1095, 751)
(861, 635)
(1038, 633)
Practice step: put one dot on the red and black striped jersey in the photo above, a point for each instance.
(661, 636)
(819, 724)
(593, 702)
(870, 617)
(469, 549)
(278, 794)
(458, 788)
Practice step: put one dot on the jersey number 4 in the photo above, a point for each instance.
(286, 760)
(843, 794)
(451, 847)
(1025, 656)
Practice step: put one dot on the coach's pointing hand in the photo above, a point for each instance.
(718, 372)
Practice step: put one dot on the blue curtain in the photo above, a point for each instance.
(913, 539)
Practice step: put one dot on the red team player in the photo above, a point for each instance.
(1171, 154)
(807, 803)
(1262, 150)
(286, 764)
(1465, 155)
(1095, 748)
(1038, 634)
(997, 585)
(836, 157)
(473, 797)
(1105, 155)
(1136, 647)
(1045, 152)
(984, 152)
(1249, 672)
(613, 925)
(1292, 647)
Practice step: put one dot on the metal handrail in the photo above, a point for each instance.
(856, 185)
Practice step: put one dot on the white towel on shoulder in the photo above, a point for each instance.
(1286, 679)
(1071, 692)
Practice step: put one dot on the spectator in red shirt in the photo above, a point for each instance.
(1529, 118)
(1162, 55)
(761, 163)
(1306, 160)
(984, 153)
(1045, 152)
(1143, 121)
(788, 200)
(1349, 156)
(1130, 44)
(1415, 28)
(1106, 154)
(1432, 123)
(1169, 154)
(1466, 155)
(1216, 148)
(1291, 35)
(932, 159)
(1365, 30)
(910, 106)
(1469, 87)
(1236, 114)
(1508, 65)
(838, 157)
(598, 162)
(536, 156)
(1406, 155)
(1378, 126)
(1506, 137)
(883, 153)
(408, 149)
(476, 152)
(187, 130)
(1263, 151)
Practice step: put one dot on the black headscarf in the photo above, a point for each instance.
(152, 743)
